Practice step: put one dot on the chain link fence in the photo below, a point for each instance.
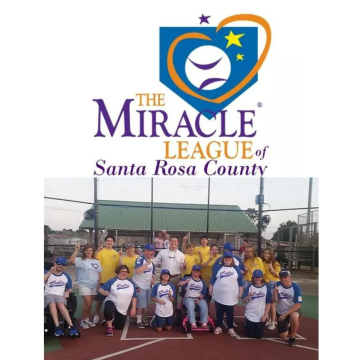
(135, 210)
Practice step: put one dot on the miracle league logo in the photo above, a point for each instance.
(207, 67)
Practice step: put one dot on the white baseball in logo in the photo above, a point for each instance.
(207, 67)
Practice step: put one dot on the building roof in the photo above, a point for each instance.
(129, 215)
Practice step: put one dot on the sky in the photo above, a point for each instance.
(279, 193)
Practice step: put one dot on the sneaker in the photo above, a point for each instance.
(88, 323)
(153, 322)
(96, 319)
(146, 322)
(225, 324)
(218, 331)
(140, 325)
(59, 331)
(232, 332)
(103, 323)
(109, 331)
(132, 320)
(204, 326)
(271, 326)
(83, 325)
(292, 341)
(193, 326)
(268, 322)
(73, 331)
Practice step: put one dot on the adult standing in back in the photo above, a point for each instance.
(109, 260)
(88, 270)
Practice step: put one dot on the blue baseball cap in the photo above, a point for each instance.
(60, 260)
(228, 246)
(165, 271)
(257, 273)
(228, 254)
(196, 267)
(149, 247)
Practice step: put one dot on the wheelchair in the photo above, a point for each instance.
(185, 324)
(49, 325)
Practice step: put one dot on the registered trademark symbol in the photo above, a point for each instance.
(259, 104)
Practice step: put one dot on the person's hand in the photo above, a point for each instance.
(210, 291)
(77, 247)
(185, 239)
(152, 282)
(184, 265)
(170, 294)
(187, 280)
(162, 302)
(276, 290)
(106, 293)
(120, 252)
(249, 296)
(100, 248)
(282, 317)
(66, 295)
(132, 312)
(197, 301)
(270, 267)
(263, 318)
(53, 269)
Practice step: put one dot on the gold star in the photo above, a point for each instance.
(233, 39)
(239, 57)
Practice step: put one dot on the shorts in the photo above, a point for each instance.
(283, 326)
(100, 297)
(54, 298)
(85, 291)
(143, 298)
(159, 321)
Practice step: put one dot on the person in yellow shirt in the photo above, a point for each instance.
(129, 259)
(191, 259)
(203, 249)
(251, 263)
(207, 267)
(109, 260)
(273, 268)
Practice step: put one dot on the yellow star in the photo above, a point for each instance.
(233, 39)
(239, 57)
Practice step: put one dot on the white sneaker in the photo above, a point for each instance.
(84, 325)
(96, 319)
(271, 326)
(218, 331)
(89, 323)
(232, 332)
(268, 322)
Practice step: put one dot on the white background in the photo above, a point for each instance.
(59, 55)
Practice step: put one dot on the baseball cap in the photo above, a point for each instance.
(149, 247)
(60, 260)
(196, 267)
(284, 273)
(129, 245)
(228, 246)
(257, 273)
(165, 271)
(242, 248)
(228, 254)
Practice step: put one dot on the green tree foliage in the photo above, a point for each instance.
(285, 233)
(254, 217)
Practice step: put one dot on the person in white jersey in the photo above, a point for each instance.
(257, 297)
(288, 299)
(144, 277)
(162, 294)
(226, 287)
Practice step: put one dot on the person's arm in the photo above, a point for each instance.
(74, 254)
(183, 281)
(68, 286)
(207, 262)
(275, 293)
(48, 273)
(140, 266)
(246, 297)
(266, 313)
(97, 252)
(183, 246)
(133, 306)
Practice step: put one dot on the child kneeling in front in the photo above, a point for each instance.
(162, 295)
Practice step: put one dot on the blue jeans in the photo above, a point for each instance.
(190, 306)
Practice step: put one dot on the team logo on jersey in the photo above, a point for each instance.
(284, 295)
(258, 294)
(195, 287)
(56, 283)
(226, 273)
(209, 67)
(122, 286)
(163, 292)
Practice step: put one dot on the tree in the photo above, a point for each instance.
(254, 217)
(285, 233)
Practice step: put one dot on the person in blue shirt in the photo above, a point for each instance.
(257, 297)
(226, 287)
(287, 297)
(194, 290)
(237, 259)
